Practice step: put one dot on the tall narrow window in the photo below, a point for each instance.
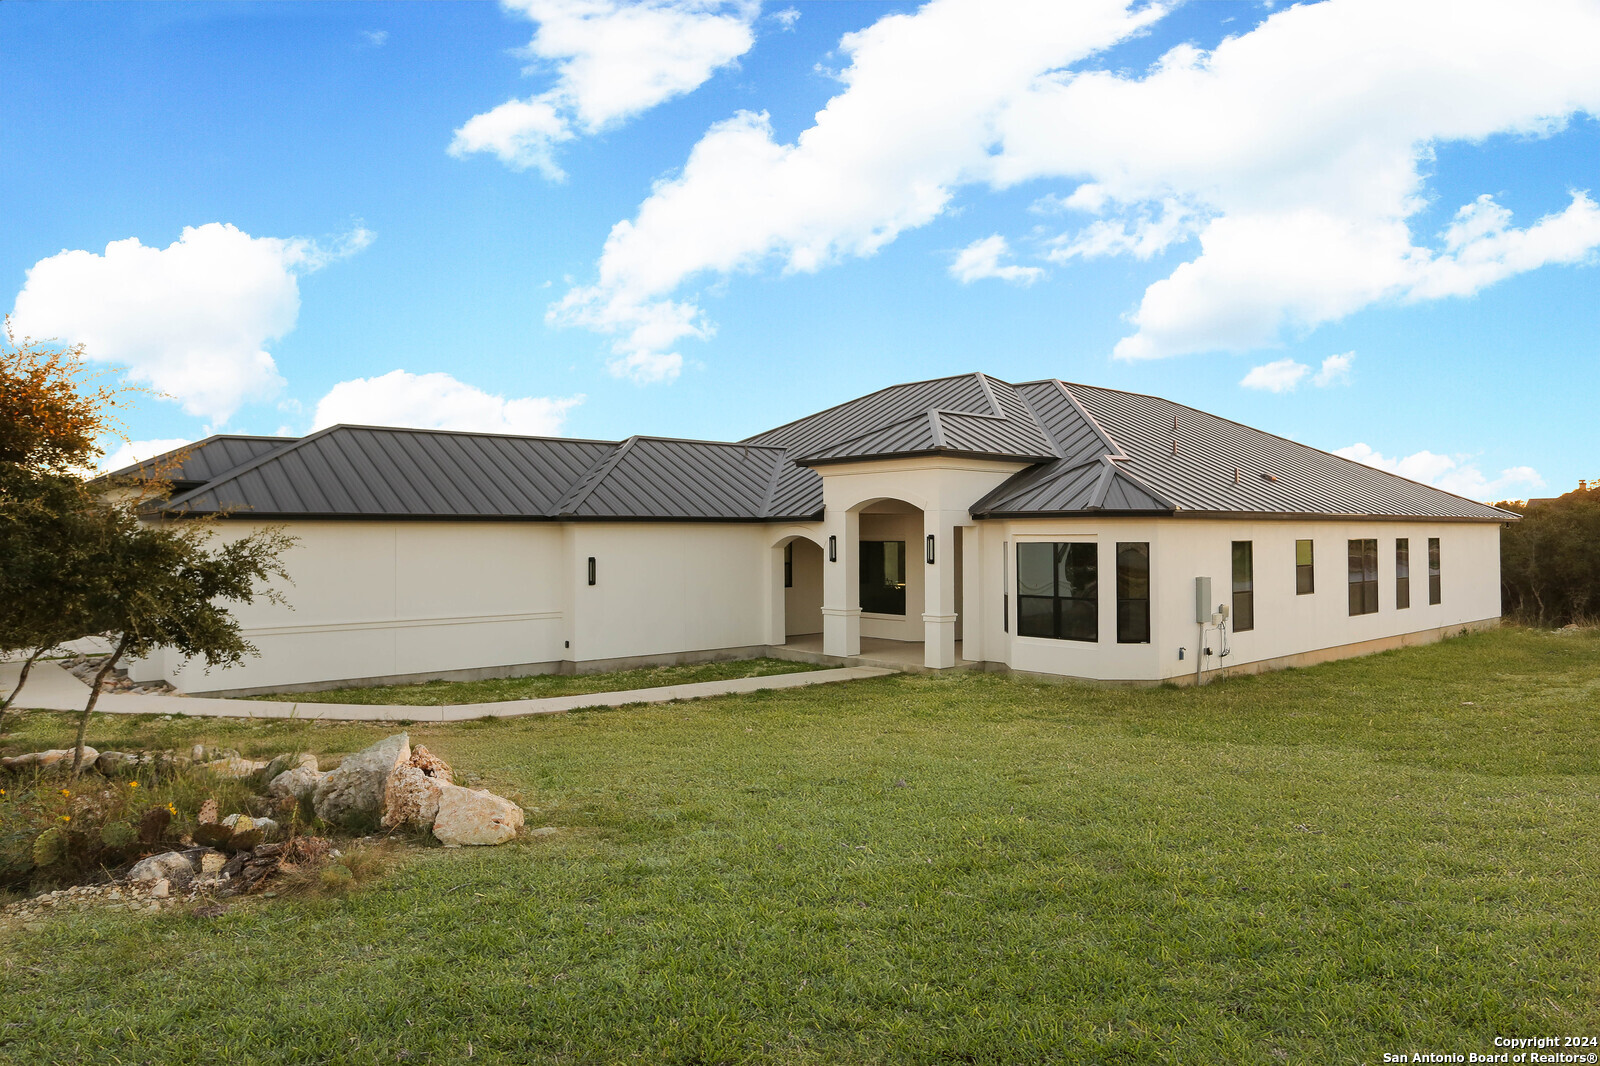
(788, 565)
(1363, 577)
(1058, 591)
(883, 576)
(1133, 593)
(1402, 573)
(1434, 591)
(1244, 586)
(1305, 570)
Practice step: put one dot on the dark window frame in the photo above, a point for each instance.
(1362, 556)
(873, 577)
(1435, 582)
(1133, 592)
(1244, 586)
(788, 565)
(1305, 574)
(1402, 573)
(1070, 617)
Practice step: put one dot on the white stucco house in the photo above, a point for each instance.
(1042, 527)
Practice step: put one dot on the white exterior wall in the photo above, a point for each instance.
(380, 599)
(1286, 624)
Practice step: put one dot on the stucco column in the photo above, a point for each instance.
(777, 599)
(841, 585)
(972, 602)
(939, 588)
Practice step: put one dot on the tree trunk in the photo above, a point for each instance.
(94, 697)
(21, 680)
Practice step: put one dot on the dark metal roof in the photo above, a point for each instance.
(1080, 449)
(205, 460)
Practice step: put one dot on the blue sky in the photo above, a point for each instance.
(1366, 230)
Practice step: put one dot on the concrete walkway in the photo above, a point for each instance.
(51, 688)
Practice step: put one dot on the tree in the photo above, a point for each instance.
(1550, 561)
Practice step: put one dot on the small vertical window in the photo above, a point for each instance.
(1363, 577)
(1244, 586)
(788, 565)
(883, 576)
(1058, 591)
(1402, 573)
(1133, 593)
(1434, 590)
(1305, 570)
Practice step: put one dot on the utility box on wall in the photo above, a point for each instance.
(1202, 600)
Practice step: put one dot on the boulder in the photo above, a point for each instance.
(412, 798)
(171, 866)
(235, 767)
(475, 816)
(286, 762)
(431, 764)
(247, 831)
(45, 759)
(354, 795)
(300, 783)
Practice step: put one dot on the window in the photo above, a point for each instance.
(1433, 570)
(788, 565)
(1305, 570)
(1402, 573)
(883, 576)
(1058, 591)
(1363, 577)
(1133, 593)
(1244, 586)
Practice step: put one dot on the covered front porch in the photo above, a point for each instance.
(909, 656)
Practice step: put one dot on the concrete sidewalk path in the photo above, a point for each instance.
(51, 688)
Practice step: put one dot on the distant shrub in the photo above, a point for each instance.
(1550, 561)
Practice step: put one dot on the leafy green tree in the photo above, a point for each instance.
(1550, 561)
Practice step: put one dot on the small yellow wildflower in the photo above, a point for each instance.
(133, 784)
(66, 817)
(65, 792)
(172, 809)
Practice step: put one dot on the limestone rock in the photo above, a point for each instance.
(172, 866)
(235, 767)
(355, 793)
(211, 863)
(53, 757)
(412, 798)
(109, 762)
(286, 762)
(300, 782)
(468, 816)
(431, 764)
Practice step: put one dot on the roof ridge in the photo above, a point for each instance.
(772, 486)
(937, 427)
(988, 392)
(1287, 440)
(457, 433)
(246, 467)
(569, 501)
(1123, 471)
(1094, 424)
(190, 447)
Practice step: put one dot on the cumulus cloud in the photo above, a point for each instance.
(1452, 473)
(1279, 376)
(1292, 156)
(375, 38)
(613, 60)
(137, 451)
(1335, 370)
(192, 320)
(981, 259)
(439, 401)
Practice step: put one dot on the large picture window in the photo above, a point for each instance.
(1363, 577)
(1402, 573)
(1434, 591)
(1305, 569)
(1133, 593)
(1244, 586)
(1058, 591)
(883, 576)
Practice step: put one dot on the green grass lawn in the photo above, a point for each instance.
(496, 690)
(1392, 854)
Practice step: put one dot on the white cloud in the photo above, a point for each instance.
(1452, 473)
(1280, 376)
(981, 259)
(1294, 153)
(787, 17)
(1335, 370)
(137, 451)
(375, 38)
(192, 320)
(439, 401)
(613, 60)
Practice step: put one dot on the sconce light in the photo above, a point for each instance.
(833, 549)
(930, 549)
(591, 569)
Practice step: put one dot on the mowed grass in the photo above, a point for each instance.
(496, 690)
(1396, 853)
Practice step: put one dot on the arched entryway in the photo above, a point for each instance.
(802, 588)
